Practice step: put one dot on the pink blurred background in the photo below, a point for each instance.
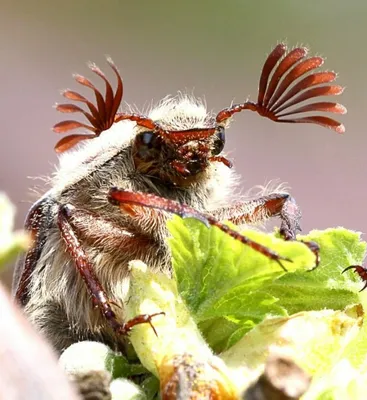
(213, 48)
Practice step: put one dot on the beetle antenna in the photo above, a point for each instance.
(280, 89)
(100, 117)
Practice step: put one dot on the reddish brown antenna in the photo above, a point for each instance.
(101, 117)
(286, 81)
(277, 96)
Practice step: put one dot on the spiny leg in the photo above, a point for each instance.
(259, 209)
(122, 198)
(280, 205)
(361, 271)
(86, 271)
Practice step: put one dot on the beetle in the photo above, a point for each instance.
(117, 184)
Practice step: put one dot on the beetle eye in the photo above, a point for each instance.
(146, 144)
(219, 140)
(146, 138)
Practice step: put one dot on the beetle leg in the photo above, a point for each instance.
(121, 198)
(85, 268)
(282, 205)
(361, 271)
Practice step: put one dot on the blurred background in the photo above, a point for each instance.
(214, 49)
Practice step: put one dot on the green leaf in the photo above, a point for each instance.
(325, 287)
(222, 279)
(119, 366)
(150, 387)
(241, 300)
(212, 268)
(11, 244)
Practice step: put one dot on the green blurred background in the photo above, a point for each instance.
(214, 49)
